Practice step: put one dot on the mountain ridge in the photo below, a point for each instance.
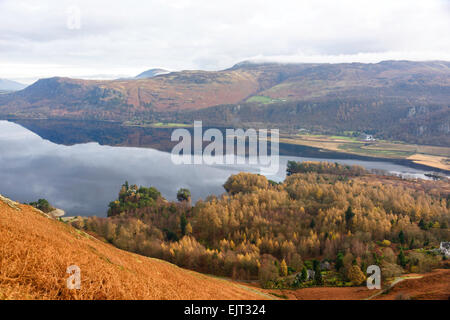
(151, 73)
(415, 94)
(196, 89)
(10, 85)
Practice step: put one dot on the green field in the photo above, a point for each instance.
(146, 124)
(355, 148)
(261, 99)
(345, 138)
(170, 125)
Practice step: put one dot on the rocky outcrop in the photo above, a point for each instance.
(14, 205)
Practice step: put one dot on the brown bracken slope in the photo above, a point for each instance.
(431, 286)
(36, 250)
(434, 285)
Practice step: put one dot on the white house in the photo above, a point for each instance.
(369, 137)
(445, 248)
(311, 275)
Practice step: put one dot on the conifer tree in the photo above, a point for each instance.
(304, 275)
(402, 258)
(401, 237)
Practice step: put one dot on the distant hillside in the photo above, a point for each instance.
(392, 95)
(37, 250)
(385, 118)
(9, 85)
(426, 82)
(151, 73)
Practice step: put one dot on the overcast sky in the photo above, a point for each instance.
(108, 39)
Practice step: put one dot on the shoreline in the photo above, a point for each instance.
(346, 149)
(327, 154)
(320, 146)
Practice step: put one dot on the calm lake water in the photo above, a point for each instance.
(83, 178)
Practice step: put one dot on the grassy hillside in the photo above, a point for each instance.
(399, 119)
(35, 252)
(421, 80)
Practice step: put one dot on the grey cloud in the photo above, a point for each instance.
(184, 34)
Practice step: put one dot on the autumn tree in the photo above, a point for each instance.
(268, 272)
(355, 275)
(188, 228)
(283, 268)
(245, 183)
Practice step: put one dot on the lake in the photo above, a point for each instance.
(82, 178)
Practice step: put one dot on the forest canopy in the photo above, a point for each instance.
(325, 212)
